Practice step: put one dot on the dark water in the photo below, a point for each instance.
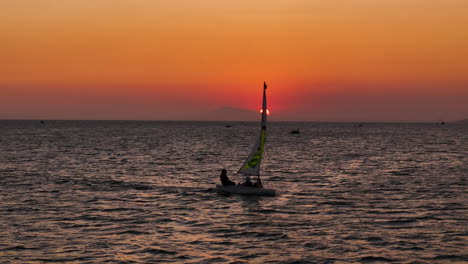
(139, 192)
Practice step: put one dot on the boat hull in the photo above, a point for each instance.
(242, 190)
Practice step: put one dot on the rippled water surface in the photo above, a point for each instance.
(142, 192)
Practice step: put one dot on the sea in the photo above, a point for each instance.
(144, 192)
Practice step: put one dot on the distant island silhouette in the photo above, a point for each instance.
(463, 121)
(232, 114)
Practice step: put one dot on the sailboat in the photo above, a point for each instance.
(251, 166)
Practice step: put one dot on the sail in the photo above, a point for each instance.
(251, 165)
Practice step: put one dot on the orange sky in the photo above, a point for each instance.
(354, 60)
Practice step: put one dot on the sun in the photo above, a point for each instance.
(268, 111)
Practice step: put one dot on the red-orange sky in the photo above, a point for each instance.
(353, 60)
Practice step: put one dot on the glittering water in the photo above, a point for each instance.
(141, 192)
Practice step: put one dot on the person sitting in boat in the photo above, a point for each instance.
(258, 183)
(224, 178)
(247, 182)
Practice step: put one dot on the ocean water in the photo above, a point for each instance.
(142, 192)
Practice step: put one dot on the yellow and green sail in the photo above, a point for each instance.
(251, 165)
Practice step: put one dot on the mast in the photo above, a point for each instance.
(264, 107)
(251, 165)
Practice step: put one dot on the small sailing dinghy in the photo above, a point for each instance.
(251, 166)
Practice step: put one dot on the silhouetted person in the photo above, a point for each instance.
(224, 178)
(258, 183)
(248, 182)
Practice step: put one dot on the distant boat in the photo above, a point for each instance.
(251, 166)
(296, 131)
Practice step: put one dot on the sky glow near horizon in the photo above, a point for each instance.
(355, 60)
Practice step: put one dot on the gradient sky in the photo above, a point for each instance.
(334, 60)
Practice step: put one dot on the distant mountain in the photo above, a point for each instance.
(232, 114)
(464, 121)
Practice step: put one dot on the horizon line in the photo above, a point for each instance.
(250, 121)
